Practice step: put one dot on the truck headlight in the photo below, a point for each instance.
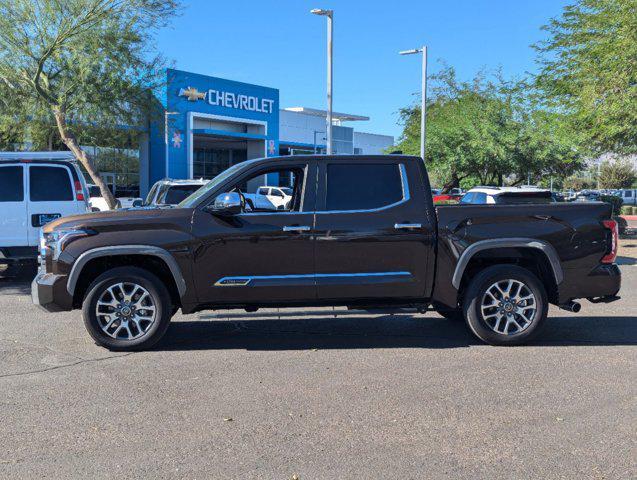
(57, 240)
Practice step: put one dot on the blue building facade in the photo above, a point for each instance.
(212, 123)
(207, 124)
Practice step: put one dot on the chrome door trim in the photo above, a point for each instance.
(296, 228)
(407, 226)
(246, 280)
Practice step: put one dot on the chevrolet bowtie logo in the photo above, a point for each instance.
(192, 94)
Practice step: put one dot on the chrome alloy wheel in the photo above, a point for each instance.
(125, 311)
(508, 307)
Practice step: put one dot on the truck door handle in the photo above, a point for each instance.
(296, 228)
(407, 226)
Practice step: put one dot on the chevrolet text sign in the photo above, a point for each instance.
(240, 101)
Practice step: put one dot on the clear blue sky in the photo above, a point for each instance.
(278, 43)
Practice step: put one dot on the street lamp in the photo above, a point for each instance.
(423, 108)
(166, 113)
(330, 17)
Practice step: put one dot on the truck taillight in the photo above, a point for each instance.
(613, 227)
(79, 191)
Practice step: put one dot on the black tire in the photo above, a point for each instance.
(158, 295)
(483, 329)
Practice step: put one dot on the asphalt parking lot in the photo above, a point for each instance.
(312, 395)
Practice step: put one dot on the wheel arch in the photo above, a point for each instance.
(157, 259)
(527, 252)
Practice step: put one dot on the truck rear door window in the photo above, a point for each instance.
(11, 184)
(362, 186)
(50, 184)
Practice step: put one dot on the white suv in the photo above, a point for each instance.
(506, 195)
(169, 192)
(35, 188)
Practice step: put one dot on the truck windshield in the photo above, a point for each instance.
(192, 200)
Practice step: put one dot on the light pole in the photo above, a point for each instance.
(330, 17)
(166, 113)
(423, 106)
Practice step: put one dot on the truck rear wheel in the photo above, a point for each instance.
(127, 309)
(505, 305)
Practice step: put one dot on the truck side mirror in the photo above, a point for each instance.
(226, 204)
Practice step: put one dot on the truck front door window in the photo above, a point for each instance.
(261, 197)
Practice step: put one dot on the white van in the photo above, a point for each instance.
(35, 188)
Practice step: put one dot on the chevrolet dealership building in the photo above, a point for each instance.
(214, 123)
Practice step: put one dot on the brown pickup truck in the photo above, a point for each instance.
(359, 231)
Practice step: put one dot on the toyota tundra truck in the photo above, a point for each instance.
(359, 231)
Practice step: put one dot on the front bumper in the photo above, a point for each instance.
(48, 291)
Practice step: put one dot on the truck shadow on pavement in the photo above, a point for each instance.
(308, 332)
(9, 286)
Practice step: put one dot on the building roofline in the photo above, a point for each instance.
(342, 117)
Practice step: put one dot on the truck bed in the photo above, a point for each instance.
(574, 232)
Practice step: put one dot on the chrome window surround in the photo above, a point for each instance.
(405, 187)
(283, 212)
(406, 196)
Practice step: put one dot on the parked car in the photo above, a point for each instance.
(360, 231)
(447, 197)
(588, 196)
(169, 192)
(35, 190)
(269, 198)
(558, 197)
(628, 196)
(506, 195)
(98, 203)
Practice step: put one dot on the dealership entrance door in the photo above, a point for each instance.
(213, 154)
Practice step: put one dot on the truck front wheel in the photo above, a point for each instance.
(127, 309)
(505, 305)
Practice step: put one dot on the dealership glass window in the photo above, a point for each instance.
(11, 184)
(118, 167)
(210, 162)
(362, 186)
(50, 184)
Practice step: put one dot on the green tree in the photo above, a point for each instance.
(617, 174)
(589, 70)
(578, 183)
(78, 64)
(488, 132)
